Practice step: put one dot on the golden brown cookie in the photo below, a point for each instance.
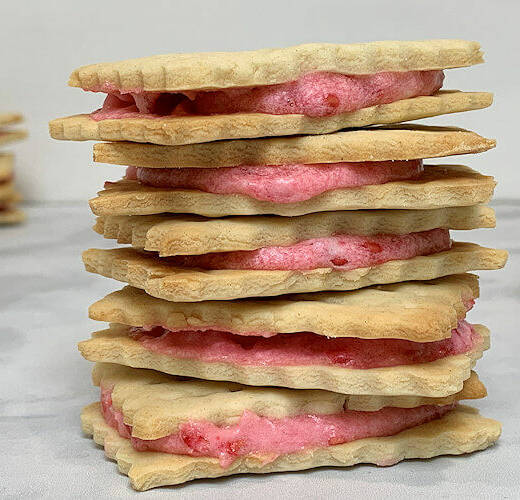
(211, 70)
(192, 235)
(401, 142)
(160, 279)
(433, 309)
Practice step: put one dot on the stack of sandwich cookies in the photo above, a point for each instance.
(307, 284)
(332, 247)
(9, 196)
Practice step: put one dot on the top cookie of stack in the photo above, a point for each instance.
(308, 89)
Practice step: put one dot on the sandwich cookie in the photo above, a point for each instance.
(364, 169)
(163, 431)
(307, 89)
(426, 354)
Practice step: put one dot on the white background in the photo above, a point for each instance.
(42, 42)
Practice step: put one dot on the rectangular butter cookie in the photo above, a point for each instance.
(154, 275)
(212, 70)
(401, 142)
(433, 309)
(192, 235)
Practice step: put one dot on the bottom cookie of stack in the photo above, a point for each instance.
(164, 430)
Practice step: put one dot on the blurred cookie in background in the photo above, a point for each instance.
(9, 196)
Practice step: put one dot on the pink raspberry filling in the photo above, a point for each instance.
(304, 348)
(314, 94)
(278, 183)
(272, 437)
(343, 252)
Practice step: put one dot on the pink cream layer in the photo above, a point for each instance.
(302, 349)
(278, 183)
(314, 94)
(272, 437)
(342, 252)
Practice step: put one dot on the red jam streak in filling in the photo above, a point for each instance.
(314, 95)
(342, 252)
(304, 348)
(279, 183)
(272, 437)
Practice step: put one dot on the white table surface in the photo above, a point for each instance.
(44, 296)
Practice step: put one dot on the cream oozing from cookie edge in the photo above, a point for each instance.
(315, 94)
(343, 252)
(289, 183)
(303, 349)
(269, 438)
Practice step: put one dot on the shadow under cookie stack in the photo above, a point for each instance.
(9, 196)
(293, 297)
